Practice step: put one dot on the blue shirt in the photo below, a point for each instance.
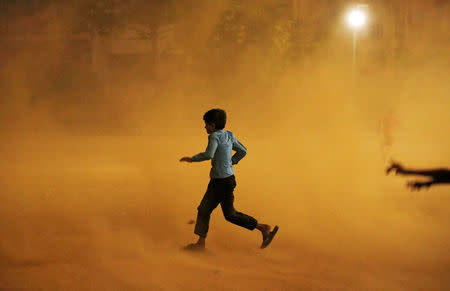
(219, 150)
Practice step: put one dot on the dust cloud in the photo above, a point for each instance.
(94, 198)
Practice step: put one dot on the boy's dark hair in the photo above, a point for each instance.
(216, 116)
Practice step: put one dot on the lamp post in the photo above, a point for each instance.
(356, 19)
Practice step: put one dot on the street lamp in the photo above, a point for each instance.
(357, 19)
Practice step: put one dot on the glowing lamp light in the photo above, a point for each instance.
(356, 18)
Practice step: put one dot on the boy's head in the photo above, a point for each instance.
(215, 119)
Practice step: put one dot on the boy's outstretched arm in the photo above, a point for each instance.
(241, 151)
(437, 174)
(442, 178)
(207, 155)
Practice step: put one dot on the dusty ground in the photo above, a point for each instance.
(111, 213)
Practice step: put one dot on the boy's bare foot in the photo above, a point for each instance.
(264, 229)
(194, 247)
(198, 246)
(267, 234)
(269, 237)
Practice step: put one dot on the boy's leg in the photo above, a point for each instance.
(207, 205)
(239, 218)
(228, 209)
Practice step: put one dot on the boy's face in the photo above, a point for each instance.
(210, 127)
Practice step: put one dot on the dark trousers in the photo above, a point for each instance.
(221, 191)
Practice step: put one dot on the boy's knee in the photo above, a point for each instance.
(229, 215)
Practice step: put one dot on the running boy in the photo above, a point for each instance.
(222, 183)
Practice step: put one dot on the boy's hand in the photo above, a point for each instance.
(417, 185)
(186, 159)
